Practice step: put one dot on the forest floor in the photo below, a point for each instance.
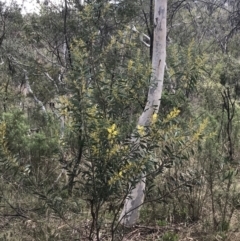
(178, 232)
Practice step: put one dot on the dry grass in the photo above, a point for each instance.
(183, 233)
(76, 228)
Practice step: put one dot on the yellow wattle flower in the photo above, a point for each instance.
(120, 174)
(173, 114)
(141, 130)
(154, 118)
(112, 132)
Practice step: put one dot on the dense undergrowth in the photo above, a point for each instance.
(73, 83)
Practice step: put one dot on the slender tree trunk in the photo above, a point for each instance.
(29, 91)
(133, 202)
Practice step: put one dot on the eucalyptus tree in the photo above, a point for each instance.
(135, 198)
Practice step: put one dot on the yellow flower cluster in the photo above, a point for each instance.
(200, 130)
(112, 132)
(173, 114)
(154, 118)
(114, 149)
(130, 64)
(141, 130)
(119, 175)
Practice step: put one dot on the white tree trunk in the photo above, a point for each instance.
(29, 91)
(133, 202)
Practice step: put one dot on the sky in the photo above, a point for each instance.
(29, 6)
(26, 5)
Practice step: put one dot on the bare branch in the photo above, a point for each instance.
(142, 36)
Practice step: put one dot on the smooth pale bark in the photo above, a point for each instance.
(133, 202)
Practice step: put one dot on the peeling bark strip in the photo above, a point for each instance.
(133, 202)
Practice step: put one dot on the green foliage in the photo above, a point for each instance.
(170, 236)
(16, 131)
(161, 223)
(21, 140)
(66, 172)
(187, 67)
